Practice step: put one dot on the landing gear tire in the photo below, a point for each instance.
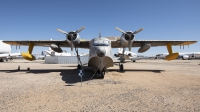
(1, 60)
(78, 66)
(121, 68)
(100, 75)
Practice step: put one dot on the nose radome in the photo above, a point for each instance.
(101, 52)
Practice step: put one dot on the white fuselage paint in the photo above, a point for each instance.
(4, 48)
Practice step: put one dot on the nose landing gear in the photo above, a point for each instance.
(100, 75)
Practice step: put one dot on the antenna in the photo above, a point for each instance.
(100, 33)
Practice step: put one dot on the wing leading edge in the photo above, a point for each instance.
(47, 43)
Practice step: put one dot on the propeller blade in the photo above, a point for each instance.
(61, 31)
(79, 30)
(137, 31)
(120, 30)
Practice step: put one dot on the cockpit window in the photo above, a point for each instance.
(100, 43)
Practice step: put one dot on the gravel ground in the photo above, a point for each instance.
(147, 85)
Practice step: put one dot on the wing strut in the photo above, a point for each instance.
(30, 48)
(171, 55)
(28, 55)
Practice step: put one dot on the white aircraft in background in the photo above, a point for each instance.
(5, 52)
(100, 48)
(128, 55)
(184, 55)
(50, 52)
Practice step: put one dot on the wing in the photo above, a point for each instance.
(47, 43)
(154, 43)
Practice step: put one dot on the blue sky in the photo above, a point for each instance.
(161, 20)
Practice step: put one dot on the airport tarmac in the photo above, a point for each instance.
(147, 85)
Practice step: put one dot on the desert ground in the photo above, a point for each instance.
(146, 85)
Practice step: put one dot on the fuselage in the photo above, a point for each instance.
(100, 55)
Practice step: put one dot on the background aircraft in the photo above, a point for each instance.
(5, 52)
(184, 55)
(50, 52)
(100, 54)
(128, 55)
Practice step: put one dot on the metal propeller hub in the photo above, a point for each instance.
(129, 36)
(71, 35)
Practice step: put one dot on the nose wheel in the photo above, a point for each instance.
(121, 68)
(100, 75)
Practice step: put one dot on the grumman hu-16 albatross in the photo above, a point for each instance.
(100, 48)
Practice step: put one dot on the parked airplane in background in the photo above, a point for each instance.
(50, 52)
(184, 55)
(100, 48)
(189, 55)
(5, 52)
(128, 55)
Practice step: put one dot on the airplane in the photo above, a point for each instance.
(128, 55)
(5, 52)
(189, 55)
(100, 48)
(184, 55)
(51, 52)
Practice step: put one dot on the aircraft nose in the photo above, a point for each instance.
(101, 52)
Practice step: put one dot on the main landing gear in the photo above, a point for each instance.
(78, 58)
(78, 66)
(121, 68)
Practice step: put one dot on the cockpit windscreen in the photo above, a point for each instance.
(100, 43)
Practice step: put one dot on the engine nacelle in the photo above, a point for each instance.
(129, 54)
(144, 48)
(116, 55)
(185, 57)
(125, 37)
(73, 37)
(56, 48)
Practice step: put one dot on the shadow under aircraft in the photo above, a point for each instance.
(70, 76)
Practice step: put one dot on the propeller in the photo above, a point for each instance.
(79, 30)
(121, 30)
(61, 31)
(129, 34)
(137, 31)
(71, 34)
